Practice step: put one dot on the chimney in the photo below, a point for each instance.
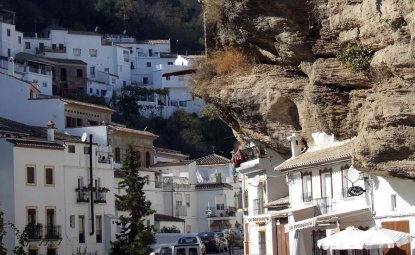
(10, 66)
(295, 140)
(51, 131)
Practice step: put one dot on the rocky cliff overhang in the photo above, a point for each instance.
(301, 84)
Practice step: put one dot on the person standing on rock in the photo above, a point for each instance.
(231, 239)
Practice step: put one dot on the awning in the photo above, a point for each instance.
(286, 212)
(263, 218)
(52, 246)
(332, 216)
(218, 223)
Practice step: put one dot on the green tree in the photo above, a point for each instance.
(135, 237)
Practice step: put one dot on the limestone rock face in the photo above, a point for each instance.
(302, 85)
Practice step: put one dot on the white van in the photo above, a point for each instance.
(187, 249)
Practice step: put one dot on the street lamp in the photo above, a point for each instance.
(208, 212)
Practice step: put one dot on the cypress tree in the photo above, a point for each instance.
(134, 237)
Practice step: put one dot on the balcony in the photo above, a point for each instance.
(45, 49)
(34, 231)
(227, 211)
(323, 205)
(82, 195)
(100, 196)
(53, 232)
(249, 154)
(258, 206)
(307, 197)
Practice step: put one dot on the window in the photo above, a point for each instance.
(19, 39)
(188, 229)
(147, 179)
(148, 223)
(98, 221)
(81, 228)
(174, 103)
(145, 80)
(124, 83)
(41, 45)
(158, 180)
(31, 215)
(317, 235)
(326, 183)
(72, 221)
(86, 150)
(8, 32)
(180, 78)
(30, 175)
(97, 91)
(148, 64)
(44, 84)
(79, 73)
(150, 52)
(54, 46)
(79, 122)
(346, 184)
(71, 148)
(93, 52)
(27, 45)
(90, 91)
(92, 71)
(117, 155)
(170, 63)
(307, 187)
(168, 78)
(126, 55)
(183, 103)
(49, 176)
(188, 200)
(61, 46)
(76, 51)
(51, 230)
(9, 52)
(393, 202)
(120, 68)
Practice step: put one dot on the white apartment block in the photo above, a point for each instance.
(45, 184)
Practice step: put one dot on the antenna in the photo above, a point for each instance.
(84, 137)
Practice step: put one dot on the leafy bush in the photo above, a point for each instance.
(357, 58)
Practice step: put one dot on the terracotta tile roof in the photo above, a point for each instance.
(20, 130)
(212, 159)
(117, 128)
(213, 185)
(315, 157)
(79, 103)
(36, 144)
(163, 217)
(281, 202)
(153, 42)
(165, 164)
(169, 151)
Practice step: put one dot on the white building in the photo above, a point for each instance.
(44, 183)
(263, 189)
(320, 180)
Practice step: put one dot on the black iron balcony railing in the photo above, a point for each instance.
(53, 232)
(258, 206)
(100, 197)
(34, 231)
(307, 197)
(99, 237)
(82, 195)
(323, 205)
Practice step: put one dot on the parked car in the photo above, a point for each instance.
(222, 238)
(186, 245)
(212, 241)
(163, 249)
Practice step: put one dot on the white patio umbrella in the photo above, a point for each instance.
(339, 241)
(379, 238)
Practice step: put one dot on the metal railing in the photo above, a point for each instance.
(307, 197)
(228, 211)
(82, 195)
(323, 205)
(100, 197)
(53, 232)
(50, 49)
(34, 231)
(258, 206)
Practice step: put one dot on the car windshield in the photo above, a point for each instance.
(220, 234)
(186, 240)
(206, 234)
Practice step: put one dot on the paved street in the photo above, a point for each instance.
(237, 251)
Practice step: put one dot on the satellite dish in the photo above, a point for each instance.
(84, 137)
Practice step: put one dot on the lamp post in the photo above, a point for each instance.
(208, 212)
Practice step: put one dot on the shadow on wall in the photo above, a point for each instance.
(403, 188)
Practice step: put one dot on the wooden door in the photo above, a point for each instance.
(283, 245)
(402, 226)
